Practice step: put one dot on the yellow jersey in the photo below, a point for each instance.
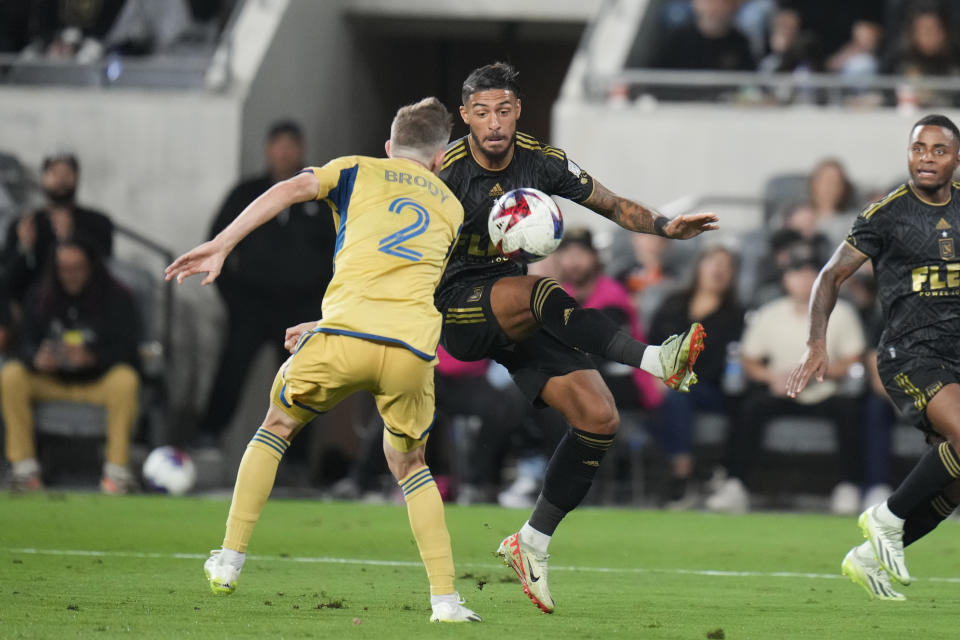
(396, 225)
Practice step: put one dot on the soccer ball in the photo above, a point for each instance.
(169, 470)
(525, 225)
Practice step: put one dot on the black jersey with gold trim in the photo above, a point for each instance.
(535, 165)
(914, 247)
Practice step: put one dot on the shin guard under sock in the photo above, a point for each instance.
(569, 476)
(925, 518)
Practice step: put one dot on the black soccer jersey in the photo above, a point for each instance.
(533, 165)
(913, 246)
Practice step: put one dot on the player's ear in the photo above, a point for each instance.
(437, 161)
(518, 108)
(463, 114)
(386, 146)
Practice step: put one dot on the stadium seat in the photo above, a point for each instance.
(782, 190)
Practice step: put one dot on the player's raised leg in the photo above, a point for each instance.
(255, 478)
(425, 510)
(584, 400)
(524, 304)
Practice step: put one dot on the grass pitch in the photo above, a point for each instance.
(75, 565)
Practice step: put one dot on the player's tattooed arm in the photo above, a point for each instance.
(843, 264)
(635, 216)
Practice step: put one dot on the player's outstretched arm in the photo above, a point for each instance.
(634, 216)
(208, 257)
(843, 264)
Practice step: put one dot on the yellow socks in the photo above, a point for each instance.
(425, 509)
(258, 470)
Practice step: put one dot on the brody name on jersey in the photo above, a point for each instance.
(420, 181)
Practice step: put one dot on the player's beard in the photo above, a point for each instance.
(494, 157)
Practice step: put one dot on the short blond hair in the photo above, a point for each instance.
(420, 129)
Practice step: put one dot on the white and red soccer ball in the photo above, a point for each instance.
(169, 470)
(525, 225)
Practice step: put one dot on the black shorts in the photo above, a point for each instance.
(472, 332)
(912, 381)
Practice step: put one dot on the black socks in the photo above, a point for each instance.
(568, 478)
(588, 330)
(937, 468)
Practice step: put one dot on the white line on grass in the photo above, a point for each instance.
(407, 563)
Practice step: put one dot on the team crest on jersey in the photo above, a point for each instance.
(946, 249)
(496, 192)
(476, 294)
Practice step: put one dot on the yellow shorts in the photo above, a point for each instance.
(327, 367)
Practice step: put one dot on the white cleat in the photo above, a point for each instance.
(221, 575)
(531, 568)
(886, 538)
(453, 612)
(862, 568)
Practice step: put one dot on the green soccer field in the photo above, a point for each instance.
(76, 565)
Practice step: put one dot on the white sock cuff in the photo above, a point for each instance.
(452, 598)
(650, 361)
(26, 468)
(232, 557)
(537, 540)
(883, 513)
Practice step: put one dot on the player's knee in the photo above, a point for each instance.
(601, 417)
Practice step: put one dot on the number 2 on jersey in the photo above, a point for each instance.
(392, 244)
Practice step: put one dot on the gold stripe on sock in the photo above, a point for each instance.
(949, 459)
(941, 506)
(545, 287)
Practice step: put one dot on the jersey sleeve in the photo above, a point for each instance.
(332, 175)
(567, 179)
(865, 235)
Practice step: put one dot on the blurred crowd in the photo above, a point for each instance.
(71, 331)
(857, 40)
(85, 31)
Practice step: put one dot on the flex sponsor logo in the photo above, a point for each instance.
(937, 279)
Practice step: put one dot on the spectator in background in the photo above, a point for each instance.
(70, 29)
(481, 419)
(860, 56)
(926, 48)
(783, 41)
(877, 415)
(833, 198)
(149, 27)
(81, 333)
(710, 298)
(772, 344)
(31, 237)
(274, 279)
(710, 41)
